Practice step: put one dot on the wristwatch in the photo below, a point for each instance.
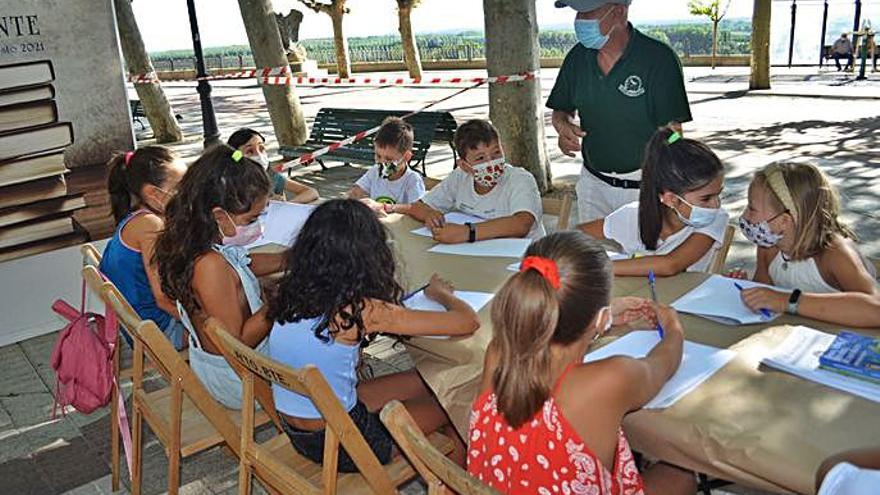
(793, 301)
(472, 232)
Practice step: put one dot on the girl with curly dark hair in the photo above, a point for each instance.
(204, 266)
(338, 289)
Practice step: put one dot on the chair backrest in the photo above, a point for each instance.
(91, 256)
(168, 358)
(436, 469)
(559, 207)
(718, 262)
(308, 381)
(93, 279)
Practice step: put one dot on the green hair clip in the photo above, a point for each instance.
(673, 138)
(237, 155)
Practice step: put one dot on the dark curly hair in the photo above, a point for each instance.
(214, 180)
(341, 258)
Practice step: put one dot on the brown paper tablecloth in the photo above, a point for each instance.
(748, 423)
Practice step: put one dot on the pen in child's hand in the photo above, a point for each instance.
(764, 311)
(654, 297)
(413, 293)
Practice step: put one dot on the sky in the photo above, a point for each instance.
(164, 24)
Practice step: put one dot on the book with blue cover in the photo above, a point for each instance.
(853, 355)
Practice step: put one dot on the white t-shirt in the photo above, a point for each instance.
(847, 479)
(409, 188)
(517, 191)
(622, 225)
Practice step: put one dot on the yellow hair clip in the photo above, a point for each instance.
(237, 155)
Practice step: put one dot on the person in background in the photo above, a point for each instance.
(253, 145)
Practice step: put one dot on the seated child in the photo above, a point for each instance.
(391, 181)
(484, 186)
(140, 184)
(252, 144)
(545, 422)
(678, 224)
(338, 291)
(803, 247)
(204, 266)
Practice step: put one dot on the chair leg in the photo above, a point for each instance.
(114, 438)
(173, 470)
(137, 450)
(244, 477)
(174, 440)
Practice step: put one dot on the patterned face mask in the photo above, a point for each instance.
(760, 233)
(388, 169)
(488, 174)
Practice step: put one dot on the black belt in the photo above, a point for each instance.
(613, 181)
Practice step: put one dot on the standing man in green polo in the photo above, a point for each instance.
(621, 85)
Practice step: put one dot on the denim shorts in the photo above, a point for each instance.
(311, 443)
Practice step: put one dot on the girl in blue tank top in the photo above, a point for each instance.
(339, 289)
(205, 267)
(140, 184)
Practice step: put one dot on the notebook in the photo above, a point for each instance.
(698, 363)
(854, 355)
(421, 302)
(718, 299)
(799, 356)
(282, 222)
(452, 217)
(503, 248)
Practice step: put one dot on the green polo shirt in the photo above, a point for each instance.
(620, 111)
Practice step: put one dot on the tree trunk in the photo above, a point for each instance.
(516, 108)
(714, 42)
(155, 105)
(410, 49)
(343, 66)
(760, 77)
(282, 101)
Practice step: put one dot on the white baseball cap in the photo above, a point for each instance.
(588, 5)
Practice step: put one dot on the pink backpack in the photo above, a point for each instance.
(83, 357)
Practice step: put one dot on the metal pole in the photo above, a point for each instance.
(791, 35)
(209, 120)
(824, 32)
(858, 18)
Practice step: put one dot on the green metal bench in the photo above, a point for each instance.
(335, 124)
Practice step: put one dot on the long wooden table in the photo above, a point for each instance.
(747, 424)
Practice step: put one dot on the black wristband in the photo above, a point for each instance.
(793, 300)
(472, 232)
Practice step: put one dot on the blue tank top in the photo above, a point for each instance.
(124, 266)
(295, 345)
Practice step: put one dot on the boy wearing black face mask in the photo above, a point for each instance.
(390, 181)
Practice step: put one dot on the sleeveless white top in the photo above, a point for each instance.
(805, 275)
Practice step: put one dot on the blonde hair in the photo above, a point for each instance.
(802, 190)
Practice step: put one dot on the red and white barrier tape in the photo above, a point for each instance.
(280, 76)
(309, 157)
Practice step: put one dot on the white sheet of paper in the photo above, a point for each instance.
(503, 248)
(698, 364)
(514, 267)
(282, 222)
(451, 217)
(719, 300)
(420, 301)
(799, 356)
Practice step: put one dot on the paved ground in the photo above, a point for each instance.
(826, 117)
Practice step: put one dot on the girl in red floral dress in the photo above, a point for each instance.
(545, 423)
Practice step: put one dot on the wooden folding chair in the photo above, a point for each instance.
(277, 465)
(177, 419)
(90, 254)
(720, 259)
(435, 468)
(560, 208)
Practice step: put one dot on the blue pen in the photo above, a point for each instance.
(413, 293)
(764, 311)
(654, 297)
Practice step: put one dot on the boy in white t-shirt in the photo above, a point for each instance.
(678, 224)
(390, 181)
(485, 186)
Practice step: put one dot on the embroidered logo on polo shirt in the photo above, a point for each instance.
(632, 87)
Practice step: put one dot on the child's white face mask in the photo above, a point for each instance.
(488, 174)
(262, 159)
